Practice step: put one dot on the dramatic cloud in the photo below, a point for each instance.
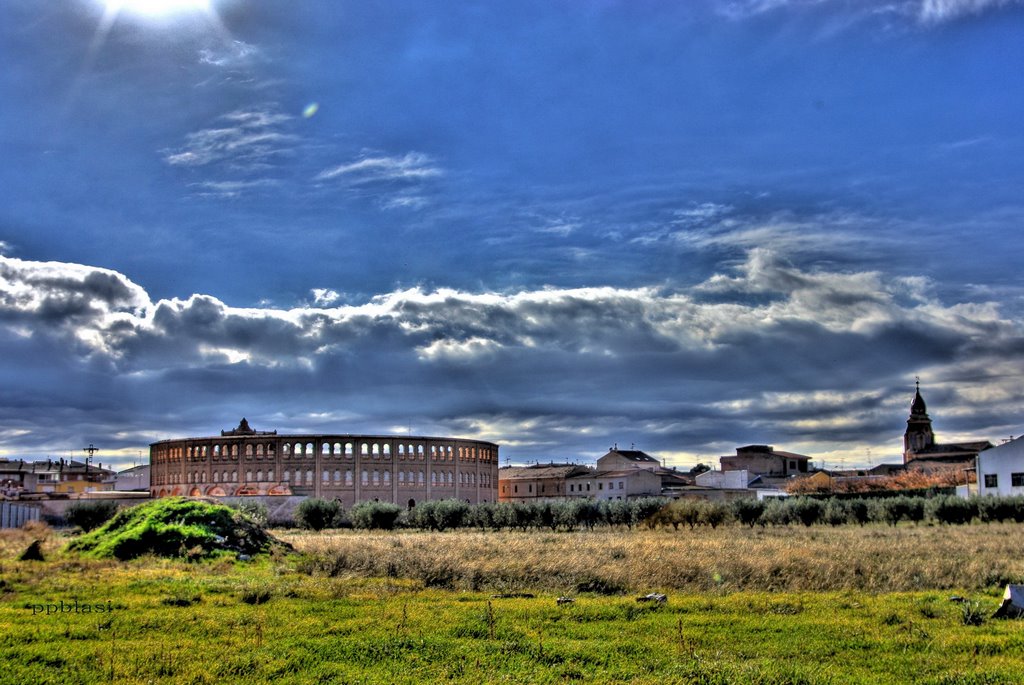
(731, 359)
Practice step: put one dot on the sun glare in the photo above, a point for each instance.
(157, 8)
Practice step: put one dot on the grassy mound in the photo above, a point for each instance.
(173, 527)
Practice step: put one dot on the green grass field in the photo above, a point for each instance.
(280, 619)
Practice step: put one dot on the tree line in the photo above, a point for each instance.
(653, 512)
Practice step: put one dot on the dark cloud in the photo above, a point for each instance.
(542, 370)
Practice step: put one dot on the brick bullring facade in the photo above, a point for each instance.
(352, 468)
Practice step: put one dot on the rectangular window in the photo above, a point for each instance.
(600, 486)
(991, 480)
(1017, 480)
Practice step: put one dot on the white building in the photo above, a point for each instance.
(724, 480)
(1001, 469)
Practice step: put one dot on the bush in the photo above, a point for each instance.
(747, 510)
(806, 510)
(440, 515)
(317, 514)
(951, 509)
(173, 527)
(90, 515)
(257, 511)
(375, 515)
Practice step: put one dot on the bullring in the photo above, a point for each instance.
(348, 467)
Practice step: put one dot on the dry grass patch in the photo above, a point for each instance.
(874, 558)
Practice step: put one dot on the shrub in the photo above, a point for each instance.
(173, 527)
(747, 510)
(317, 514)
(256, 511)
(951, 509)
(90, 515)
(442, 514)
(375, 515)
(777, 512)
(836, 512)
(806, 510)
(858, 510)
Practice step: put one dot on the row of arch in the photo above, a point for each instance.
(203, 452)
(406, 477)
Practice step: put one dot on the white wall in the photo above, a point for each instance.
(1002, 462)
(727, 480)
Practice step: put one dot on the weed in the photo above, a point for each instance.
(971, 614)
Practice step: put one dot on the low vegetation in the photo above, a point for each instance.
(875, 558)
(746, 605)
(173, 527)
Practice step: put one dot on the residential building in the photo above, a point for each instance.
(1001, 469)
(536, 482)
(765, 460)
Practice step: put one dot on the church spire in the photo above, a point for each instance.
(919, 435)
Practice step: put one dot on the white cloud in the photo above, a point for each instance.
(323, 297)
(411, 166)
(251, 139)
(936, 11)
(234, 55)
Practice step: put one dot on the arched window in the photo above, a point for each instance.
(215, 476)
(286, 476)
(337, 449)
(401, 477)
(375, 449)
(259, 475)
(365, 479)
(387, 450)
(286, 449)
(309, 477)
(348, 476)
(248, 476)
(270, 474)
(259, 450)
(376, 477)
(419, 450)
(337, 476)
(325, 448)
(401, 450)
(387, 477)
(234, 476)
(248, 450)
(298, 477)
(433, 477)
(270, 449)
(325, 477)
(309, 450)
(364, 449)
(348, 449)
(422, 479)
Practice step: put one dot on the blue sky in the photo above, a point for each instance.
(556, 225)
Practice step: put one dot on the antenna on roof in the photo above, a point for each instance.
(91, 449)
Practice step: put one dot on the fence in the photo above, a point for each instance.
(14, 515)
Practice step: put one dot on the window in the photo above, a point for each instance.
(600, 486)
(991, 480)
(1017, 480)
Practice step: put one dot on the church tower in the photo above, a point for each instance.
(919, 433)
